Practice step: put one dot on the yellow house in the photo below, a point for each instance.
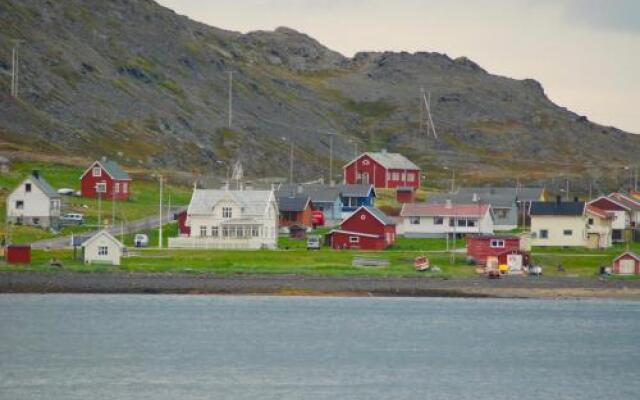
(569, 224)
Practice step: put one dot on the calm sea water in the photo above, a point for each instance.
(214, 347)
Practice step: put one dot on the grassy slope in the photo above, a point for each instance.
(143, 201)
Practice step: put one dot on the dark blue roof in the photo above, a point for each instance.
(569, 208)
(293, 203)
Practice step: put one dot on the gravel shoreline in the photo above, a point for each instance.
(509, 287)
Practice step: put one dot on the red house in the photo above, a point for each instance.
(479, 248)
(405, 194)
(366, 229)
(181, 219)
(382, 170)
(107, 179)
(295, 209)
(627, 263)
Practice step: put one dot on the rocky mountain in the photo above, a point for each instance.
(135, 81)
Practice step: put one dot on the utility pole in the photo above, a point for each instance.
(160, 215)
(113, 207)
(635, 178)
(331, 134)
(427, 106)
(285, 139)
(567, 190)
(230, 97)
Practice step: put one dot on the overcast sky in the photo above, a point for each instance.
(586, 53)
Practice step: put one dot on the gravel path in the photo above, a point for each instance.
(303, 285)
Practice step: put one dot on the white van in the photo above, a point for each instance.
(73, 219)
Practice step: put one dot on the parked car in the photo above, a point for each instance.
(314, 242)
(73, 219)
(141, 240)
(66, 192)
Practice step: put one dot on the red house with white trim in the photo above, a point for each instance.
(382, 170)
(480, 247)
(107, 179)
(367, 228)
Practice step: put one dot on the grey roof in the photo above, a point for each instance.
(392, 160)
(355, 190)
(381, 216)
(41, 183)
(569, 208)
(317, 192)
(253, 202)
(294, 203)
(114, 169)
(495, 200)
(522, 193)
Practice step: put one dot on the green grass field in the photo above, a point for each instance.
(142, 203)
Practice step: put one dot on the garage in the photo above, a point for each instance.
(627, 263)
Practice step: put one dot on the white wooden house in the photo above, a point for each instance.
(440, 220)
(102, 248)
(34, 202)
(230, 219)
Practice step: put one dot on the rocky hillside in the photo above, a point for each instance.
(137, 82)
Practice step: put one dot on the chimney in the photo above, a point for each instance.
(299, 188)
(558, 199)
(36, 173)
(475, 198)
(104, 159)
(447, 204)
(383, 151)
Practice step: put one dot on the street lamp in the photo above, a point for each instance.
(285, 139)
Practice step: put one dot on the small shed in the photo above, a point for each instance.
(480, 247)
(181, 218)
(18, 254)
(5, 165)
(405, 194)
(628, 263)
(298, 231)
(103, 248)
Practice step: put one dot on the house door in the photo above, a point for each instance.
(365, 178)
(627, 267)
(514, 261)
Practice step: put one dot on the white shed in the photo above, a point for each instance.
(102, 248)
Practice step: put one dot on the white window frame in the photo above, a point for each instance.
(497, 244)
(414, 220)
(203, 231)
(125, 187)
(27, 187)
(545, 235)
(395, 176)
(96, 172)
(101, 185)
(410, 176)
(354, 239)
(19, 204)
(215, 232)
(567, 232)
(227, 212)
(438, 220)
(103, 251)
(116, 187)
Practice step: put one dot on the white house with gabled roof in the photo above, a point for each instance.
(34, 202)
(102, 248)
(230, 219)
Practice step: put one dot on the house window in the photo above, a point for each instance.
(255, 231)
(415, 220)
(590, 222)
(227, 212)
(233, 232)
(36, 221)
(27, 187)
(125, 187)
(544, 234)
(55, 204)
(410, 177)
(214, 231)
(101, 187)
(452, 222)
(471, 223)
(462, 223)
(97, 171)
(497, 244)
(225, 231)
(19, 205)
(567, 232)
(354, 239)
(395, 176)
(116, 187)
(103, 251)
(203, 231)
(500, 212)
(438, 221)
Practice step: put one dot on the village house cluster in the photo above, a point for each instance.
(484, 218)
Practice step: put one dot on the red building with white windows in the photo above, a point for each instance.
(481, 247)
(367, 228)
(382, 170)
(107, 179)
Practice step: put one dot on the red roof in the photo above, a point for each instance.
(625, 200)
(599, 211)
(444, 210)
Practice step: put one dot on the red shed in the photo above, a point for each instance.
(107, 179)
(405, 194)
(295, 209)
(181, 218)
(382, 170)
(18, 254)
(367, 228)
(481, 247)
(628, 263)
